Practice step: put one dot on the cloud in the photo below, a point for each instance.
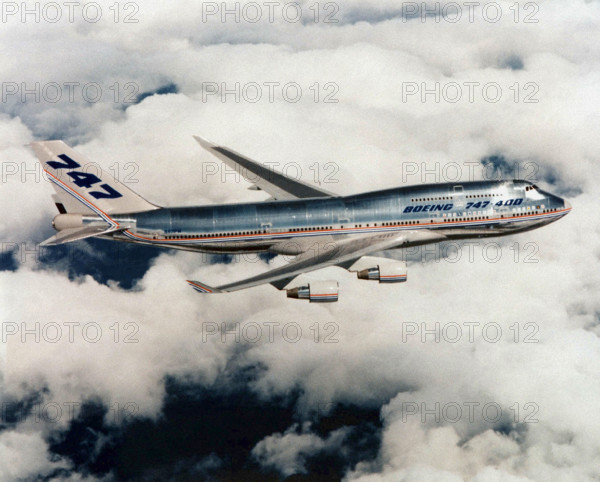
(287, 452)
(25, 455)
(356, 353)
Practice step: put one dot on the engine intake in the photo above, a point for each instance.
(316, 292)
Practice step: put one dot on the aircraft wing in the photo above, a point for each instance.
(336, 253)
(276, 184)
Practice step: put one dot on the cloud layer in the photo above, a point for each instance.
(378, 106)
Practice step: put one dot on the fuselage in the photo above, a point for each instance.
(465, 210)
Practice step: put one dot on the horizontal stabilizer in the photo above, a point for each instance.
(74, 234)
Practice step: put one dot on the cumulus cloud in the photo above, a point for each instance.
(25, 455)
(287, 452)
(376, 63)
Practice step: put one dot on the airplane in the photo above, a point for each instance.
(317, 227)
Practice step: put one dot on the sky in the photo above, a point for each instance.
(483, 366)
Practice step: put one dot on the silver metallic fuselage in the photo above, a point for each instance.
(471, 209)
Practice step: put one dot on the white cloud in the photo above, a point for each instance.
(287, 452)
(25, 455)
(368, 133)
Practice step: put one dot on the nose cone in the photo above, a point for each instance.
(567, 204)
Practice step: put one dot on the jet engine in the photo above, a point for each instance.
(316, 291)
(380, 269)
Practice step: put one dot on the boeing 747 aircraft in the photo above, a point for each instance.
(318, 227)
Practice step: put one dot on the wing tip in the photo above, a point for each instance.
(204, 142)
(203, 288)
(49, 242)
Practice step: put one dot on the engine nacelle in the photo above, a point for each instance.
(316, 291)
(380, 269)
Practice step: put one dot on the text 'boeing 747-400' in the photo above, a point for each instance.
(319, 228)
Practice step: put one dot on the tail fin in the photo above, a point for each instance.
(80, 188)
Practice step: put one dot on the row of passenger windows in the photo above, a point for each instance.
(471, 196)
(241, 233)
(447, 198)
(212, 235)
(321, 228)
(468, 218)
(295, 230)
